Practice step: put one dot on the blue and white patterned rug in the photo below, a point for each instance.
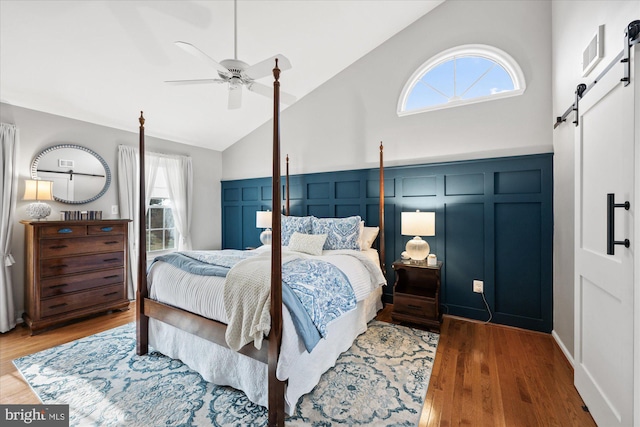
(381, 380)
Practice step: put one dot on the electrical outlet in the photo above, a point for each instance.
(478, 286)
(114, 209)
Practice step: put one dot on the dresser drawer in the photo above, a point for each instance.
(107, 229)
(81, 300)
(63, 230)
(61, 247)
(414, 305)
(78, 264)
(61, 285)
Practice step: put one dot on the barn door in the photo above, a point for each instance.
(604, 296)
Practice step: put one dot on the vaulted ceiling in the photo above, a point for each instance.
(104, 61)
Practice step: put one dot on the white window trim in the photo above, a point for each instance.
(484, 51)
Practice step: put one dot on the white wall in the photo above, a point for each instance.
(573, 25)
(340, 124)
(41, 130)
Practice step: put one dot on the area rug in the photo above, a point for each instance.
(381, 380)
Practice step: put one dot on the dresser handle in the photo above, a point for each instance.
(111, 259)
(58, 305)
(110, 293)
(107, 229)
(112, 242)
(111, 277)
(414, 306)
(59, 286)
(58, 247)
(65, 230)
(59, 266)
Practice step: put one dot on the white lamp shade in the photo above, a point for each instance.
(263, 219)
(418, 223)
(38, 190)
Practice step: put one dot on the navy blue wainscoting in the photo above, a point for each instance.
(494, 222)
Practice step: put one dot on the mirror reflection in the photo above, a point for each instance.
(79, 174)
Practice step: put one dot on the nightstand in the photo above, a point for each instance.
(416, 293)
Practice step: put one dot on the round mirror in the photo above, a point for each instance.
(79, 175)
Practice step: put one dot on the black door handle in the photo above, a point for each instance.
(611, 242)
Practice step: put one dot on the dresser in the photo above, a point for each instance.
(74, 269)
(416, 294)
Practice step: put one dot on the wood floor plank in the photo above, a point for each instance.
(483, 374)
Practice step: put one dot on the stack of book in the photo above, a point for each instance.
(79, 215)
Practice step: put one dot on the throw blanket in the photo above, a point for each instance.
(315, 292)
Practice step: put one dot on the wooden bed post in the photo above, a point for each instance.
(276, 387)
(287, 190)
(381, 212)
(142, 321)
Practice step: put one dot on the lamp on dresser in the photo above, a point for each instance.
(263, 220)
(418, 224)
(38, 190)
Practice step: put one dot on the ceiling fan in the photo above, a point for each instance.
(237, 73)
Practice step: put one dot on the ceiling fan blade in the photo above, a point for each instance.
(235, 96)
(189, 48)
(194, 82)
(264, 68)
(285, 98)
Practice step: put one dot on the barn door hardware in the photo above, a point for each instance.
(611, 242)
(632, 36)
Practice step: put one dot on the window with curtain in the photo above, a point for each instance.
(160, 225)
(462, 75)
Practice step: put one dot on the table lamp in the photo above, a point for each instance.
(263, 220)
(36, 189)
(418, 224)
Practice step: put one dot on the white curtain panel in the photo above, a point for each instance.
(180, 181)
(8, 185)
(128, 190)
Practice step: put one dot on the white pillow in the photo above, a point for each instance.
(368, 236)
(307, 243)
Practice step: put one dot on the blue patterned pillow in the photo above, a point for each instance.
(342, 233)
(291, 224)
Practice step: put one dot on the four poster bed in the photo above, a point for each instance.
(189, 313)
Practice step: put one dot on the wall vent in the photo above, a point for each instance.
(594, 52)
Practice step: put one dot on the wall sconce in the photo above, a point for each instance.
(418, 224)
(38, 190)
(263, 220)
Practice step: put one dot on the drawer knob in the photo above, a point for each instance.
(112, 242)
(59, 286)
(65, 230)
(107, 229)
(59, 266)
(414, 306)
(111, 277)
(110, 293)
(58, 247)
(110, 259)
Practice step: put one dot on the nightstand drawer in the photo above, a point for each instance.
(415, 306)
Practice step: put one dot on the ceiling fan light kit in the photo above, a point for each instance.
(237, 73)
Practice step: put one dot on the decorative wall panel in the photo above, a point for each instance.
(494, 222)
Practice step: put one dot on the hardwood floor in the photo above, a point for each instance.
(483, 375)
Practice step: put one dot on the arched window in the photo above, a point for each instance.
(461, 75)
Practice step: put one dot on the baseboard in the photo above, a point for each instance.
(564, 349)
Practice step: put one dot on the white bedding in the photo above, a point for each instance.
(302, 370)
